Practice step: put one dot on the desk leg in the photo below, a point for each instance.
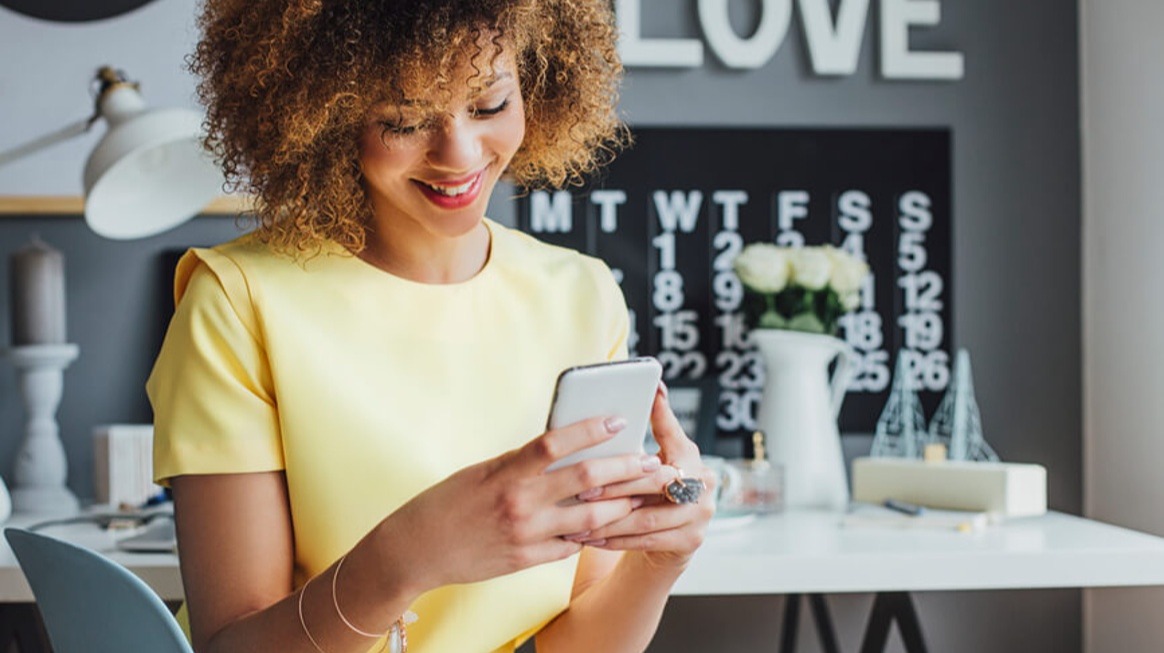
(821, 617)
(790, 623)
(22, 630)
(824, 624)
(887, 607)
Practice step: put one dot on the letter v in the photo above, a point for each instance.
(834, 49)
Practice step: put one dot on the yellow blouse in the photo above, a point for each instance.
(367, 388)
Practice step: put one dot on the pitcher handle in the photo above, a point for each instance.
(840, 381)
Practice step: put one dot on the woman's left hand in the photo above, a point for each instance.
(666, 533)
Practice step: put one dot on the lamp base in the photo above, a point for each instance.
(44, 500)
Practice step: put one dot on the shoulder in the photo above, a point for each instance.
(245, 265)
(552, 263)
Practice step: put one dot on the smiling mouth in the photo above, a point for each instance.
(457, 194)
(453, 190)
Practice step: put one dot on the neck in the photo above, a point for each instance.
(424, 257)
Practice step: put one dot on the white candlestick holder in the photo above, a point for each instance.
(41, 466)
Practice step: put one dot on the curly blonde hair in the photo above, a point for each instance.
(288, 86)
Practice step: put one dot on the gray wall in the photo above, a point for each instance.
(1123, 162)
(1015, 122)
(116, 296)
(1016, 258)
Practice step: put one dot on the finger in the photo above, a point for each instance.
(587, 517)
(649, 520)
(645, 485)
(587, 480)
(684, 539)
(674, 445)
(549, 551)
(552, 446)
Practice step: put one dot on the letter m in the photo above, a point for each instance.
(550, 214)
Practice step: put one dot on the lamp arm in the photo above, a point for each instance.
(42, 142)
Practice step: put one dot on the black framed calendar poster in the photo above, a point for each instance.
(670, 214)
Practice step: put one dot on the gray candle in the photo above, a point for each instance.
(37, 278)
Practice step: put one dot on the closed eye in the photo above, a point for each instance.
(491, 111)
(398, 129)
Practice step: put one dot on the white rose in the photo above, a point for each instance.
(811, 268)
(851, 300)
(848, 271)
(763, 267)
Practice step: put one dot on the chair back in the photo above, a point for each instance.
(91, 604)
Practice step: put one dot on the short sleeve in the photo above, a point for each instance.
(210, 388)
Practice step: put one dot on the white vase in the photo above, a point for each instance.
(798, 414)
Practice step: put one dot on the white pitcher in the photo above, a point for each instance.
(798, 414)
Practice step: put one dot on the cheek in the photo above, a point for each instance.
(512, 132)
(377, 161)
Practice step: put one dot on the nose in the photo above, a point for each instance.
(455, 145)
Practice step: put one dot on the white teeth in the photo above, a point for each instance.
(452, 191)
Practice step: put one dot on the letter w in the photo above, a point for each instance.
(678, 209)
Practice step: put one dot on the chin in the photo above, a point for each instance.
(458, 225)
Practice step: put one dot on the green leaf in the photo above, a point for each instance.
(772, 320)
(807, 322)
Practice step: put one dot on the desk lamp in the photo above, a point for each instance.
(149, 173)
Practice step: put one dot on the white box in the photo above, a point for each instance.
(123, 463)
(1007, 489)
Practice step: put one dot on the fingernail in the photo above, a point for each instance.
(614, 424)
(663, 389)
(651, 463)
(577, 537)
(637, 502)
(598, 542)
(592, 493)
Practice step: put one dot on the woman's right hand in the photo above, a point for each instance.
(507, 514)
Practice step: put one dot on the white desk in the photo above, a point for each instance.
(807, 552)
(158, 570)
(803, 552)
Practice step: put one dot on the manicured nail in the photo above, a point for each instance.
(598, 542)
(637, 502)
(663, 389)
(577, 537)
(651, 463)
(614, 424)
(592, 493)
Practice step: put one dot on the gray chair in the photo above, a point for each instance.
(91, 604)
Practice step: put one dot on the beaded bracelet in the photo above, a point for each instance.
(397, 635)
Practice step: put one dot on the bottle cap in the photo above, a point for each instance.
(758, 451)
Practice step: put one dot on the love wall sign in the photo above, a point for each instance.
(670, 214)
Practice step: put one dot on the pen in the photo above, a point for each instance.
(904, 507)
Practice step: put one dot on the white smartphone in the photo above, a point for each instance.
(623, 389)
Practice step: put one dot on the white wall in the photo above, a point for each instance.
(1122, 86)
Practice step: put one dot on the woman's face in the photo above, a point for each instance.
(434, 166)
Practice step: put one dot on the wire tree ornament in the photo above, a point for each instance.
(901, 429)
(958, 424)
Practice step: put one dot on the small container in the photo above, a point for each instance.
(761, 483)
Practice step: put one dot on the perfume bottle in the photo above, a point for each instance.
(761, 487)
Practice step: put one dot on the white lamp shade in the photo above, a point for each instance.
(148, 174)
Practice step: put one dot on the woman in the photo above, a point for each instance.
(348, 402)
